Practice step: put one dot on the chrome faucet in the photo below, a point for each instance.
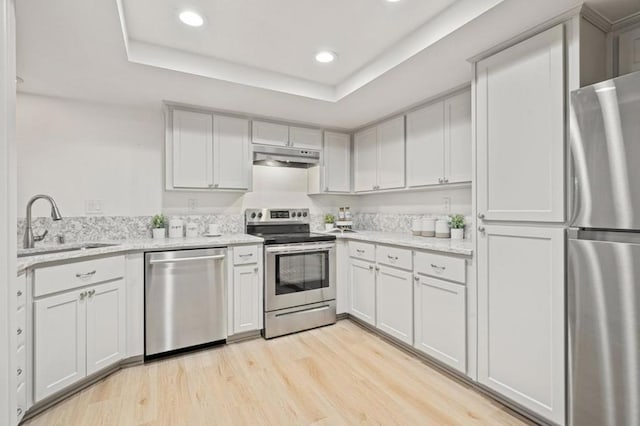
(29, 238)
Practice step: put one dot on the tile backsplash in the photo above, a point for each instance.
(94, 228)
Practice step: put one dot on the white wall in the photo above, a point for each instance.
(417, 202)
(77, 151)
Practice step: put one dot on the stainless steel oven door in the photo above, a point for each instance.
(299, 274)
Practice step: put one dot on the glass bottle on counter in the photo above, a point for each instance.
(341, 214)
(347, 213)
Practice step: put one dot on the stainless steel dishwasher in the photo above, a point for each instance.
(185, 303)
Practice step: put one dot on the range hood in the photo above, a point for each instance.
(280, 156)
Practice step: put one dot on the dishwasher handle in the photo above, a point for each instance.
(187, 259)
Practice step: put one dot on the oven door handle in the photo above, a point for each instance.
(300, 248)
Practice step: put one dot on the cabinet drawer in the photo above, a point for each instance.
(58, 278)
(392, 256)
(364, 251)
(245, 255)
(445, 267)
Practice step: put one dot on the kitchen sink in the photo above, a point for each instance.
(37, 251)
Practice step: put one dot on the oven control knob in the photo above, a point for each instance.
(259, 215)
(253, 215)
(299, 214)
(293, 215)
(304, 214)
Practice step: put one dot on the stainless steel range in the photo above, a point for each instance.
(300, 271)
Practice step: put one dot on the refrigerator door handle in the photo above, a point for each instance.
(575, 202)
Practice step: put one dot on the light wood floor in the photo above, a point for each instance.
(334, 375)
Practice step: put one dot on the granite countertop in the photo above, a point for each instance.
(445, 245)
(122, 246)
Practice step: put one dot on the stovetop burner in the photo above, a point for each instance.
(294, 238)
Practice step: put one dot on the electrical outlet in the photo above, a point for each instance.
(93, 207)
(192, 204)
(447, 204)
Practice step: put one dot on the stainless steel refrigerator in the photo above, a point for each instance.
(604, 255)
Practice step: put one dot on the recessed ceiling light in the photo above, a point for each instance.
(325, 57)
(191, 18)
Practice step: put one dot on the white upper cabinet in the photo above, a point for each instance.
(379, 157)
(521, 132)
(270, 133)
(521, 316)
(439, 142)
(206, 151)
(192, 149)
(457, 136)
(629, 51)
(425, 145)
(391, 154)
(231, 160)
(365, 148)
(302, 137)
(337, 162)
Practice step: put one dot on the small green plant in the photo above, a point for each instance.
(159, 221)
(329, 218)
(457, 221)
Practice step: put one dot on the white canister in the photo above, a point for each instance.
(214, 229)
(442, 229)
(176, 228)
(192, 230)
(428, 227)
(416, 227)
(159, 233)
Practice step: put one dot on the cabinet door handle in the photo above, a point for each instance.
(256, 269)
(91, 293)
(19, 293)
(439, 180)
(215, 185)
(19, 331)
(19, 371)
(480, 215)
(371, 267)
(86, 275)
(481, 229)
(378, 268)
(416, 279)
(19, 411)
(83, 295)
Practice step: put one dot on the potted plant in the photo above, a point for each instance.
(158, 224)
(457, 227)
(329, 219)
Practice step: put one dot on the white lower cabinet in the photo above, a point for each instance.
(521, 316)
(362, 290)
(440, 320)
(78, 330)
(106, 330)
(246, 299)
(394, 313)
(245, 290)
(60, 342)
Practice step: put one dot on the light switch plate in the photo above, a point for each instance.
(93, 207)
(192, 204)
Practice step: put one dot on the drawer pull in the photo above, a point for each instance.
(19, 293)
(392, 257)
(19, 411)
(19, 331)
(256, 269)
(86, 275)
(246, 255)
(438, 268)
(91, 293)
(19, 371)
(359, 251)
(371, 267)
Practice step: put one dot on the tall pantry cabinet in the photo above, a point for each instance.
(520, 200)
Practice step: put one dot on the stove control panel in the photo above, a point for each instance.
(277, 215)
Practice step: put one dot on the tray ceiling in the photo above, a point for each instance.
(272, 44)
